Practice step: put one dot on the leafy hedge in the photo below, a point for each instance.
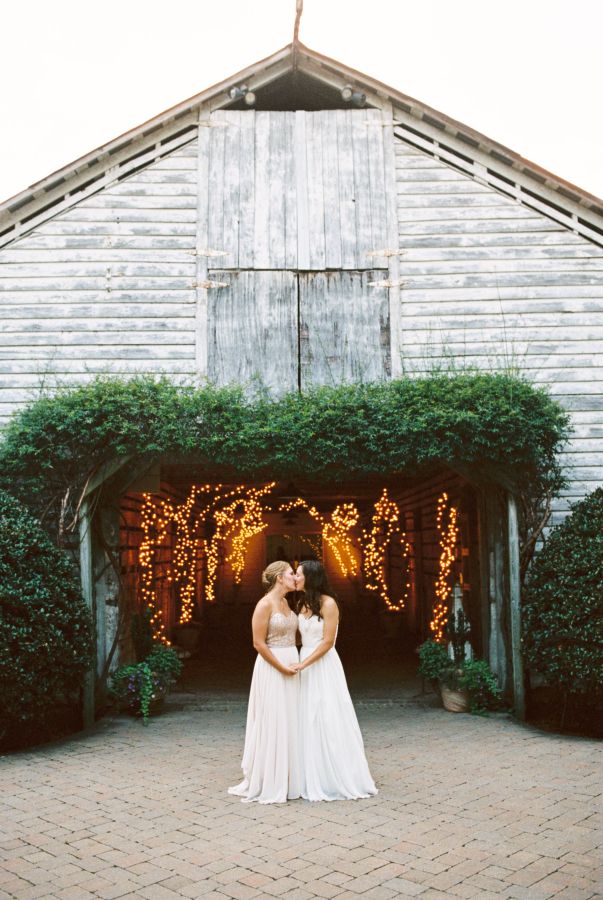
(563, 606)
(45, 634)
(489, 423)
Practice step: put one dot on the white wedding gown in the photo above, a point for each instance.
(333, 764)
(271, 752)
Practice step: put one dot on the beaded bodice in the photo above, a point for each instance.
(281, 630)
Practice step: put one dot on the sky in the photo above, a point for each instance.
(526, 73)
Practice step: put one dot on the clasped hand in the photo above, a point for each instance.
(294, 668)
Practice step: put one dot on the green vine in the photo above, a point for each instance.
(495, 426)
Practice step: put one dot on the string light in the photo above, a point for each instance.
(155, 520)
(385, 527)
(335, 533)
(245, 516)
(237, 515)
(313, 542)
(446, 522)
(250, 523)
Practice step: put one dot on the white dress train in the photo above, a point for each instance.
(271, 752)
(333, 764)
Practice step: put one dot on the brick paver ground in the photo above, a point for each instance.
(467, 807)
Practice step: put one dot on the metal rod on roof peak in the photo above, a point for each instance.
(299, 8)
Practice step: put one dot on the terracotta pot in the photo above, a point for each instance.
(455, 701)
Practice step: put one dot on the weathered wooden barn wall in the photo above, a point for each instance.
(489, 282)
(299, 202)
(107, 286)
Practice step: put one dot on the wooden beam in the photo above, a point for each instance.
(107, 470)
(515, 607)
(494, 534)
(393, 241)
(87, 582)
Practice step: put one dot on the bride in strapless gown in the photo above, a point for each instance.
(271, 752)
(332, 759)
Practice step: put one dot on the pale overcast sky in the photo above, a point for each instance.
(527, 73)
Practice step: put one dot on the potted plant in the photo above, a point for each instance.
(433, 662)
(143, 686)
(455, 695)
(465, 685)
(479, 681)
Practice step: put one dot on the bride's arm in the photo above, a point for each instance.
(330, 617)
(259, 629)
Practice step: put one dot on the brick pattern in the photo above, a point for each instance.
(467, 807)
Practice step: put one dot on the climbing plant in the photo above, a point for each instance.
(491, 426)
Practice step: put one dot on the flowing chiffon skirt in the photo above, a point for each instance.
(333, 763)
(271, 752)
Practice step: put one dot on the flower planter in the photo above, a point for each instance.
(155, 707)
(132, 703)
(454, 701)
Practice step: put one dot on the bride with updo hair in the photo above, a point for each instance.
(271, 755)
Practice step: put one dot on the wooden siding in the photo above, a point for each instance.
(491, 283)
(105, 287)
(253, 331)
(114, 284)
(344, 328)
(297, 190)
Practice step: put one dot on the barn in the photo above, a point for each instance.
(302, 224)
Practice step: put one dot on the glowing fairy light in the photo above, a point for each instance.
(240, 520)
(249, 523)
(446, 522)
(385, 527)
(155, 522)
(335, 531)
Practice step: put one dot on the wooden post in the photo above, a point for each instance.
(106, 590)
(515, 607)
(87, 581)
(493, 568)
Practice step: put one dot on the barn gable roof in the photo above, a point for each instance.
(308, 80)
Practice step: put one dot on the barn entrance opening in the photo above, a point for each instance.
(398, 553)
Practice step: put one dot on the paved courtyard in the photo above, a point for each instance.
(467, 807)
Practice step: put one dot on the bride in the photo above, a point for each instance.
(332, 760)
(270, 755)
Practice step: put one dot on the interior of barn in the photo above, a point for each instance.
(398, 553)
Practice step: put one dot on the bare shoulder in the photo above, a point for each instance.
(328, 605)
(263, 606)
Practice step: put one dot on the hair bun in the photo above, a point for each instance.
(271, 573)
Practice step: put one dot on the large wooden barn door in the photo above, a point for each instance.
(253, 330)
(344, 328)
(295, 190)
(294, 215)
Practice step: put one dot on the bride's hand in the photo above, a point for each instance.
(297, 666)
(292, 669)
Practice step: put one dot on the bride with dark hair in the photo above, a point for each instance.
(332, 761)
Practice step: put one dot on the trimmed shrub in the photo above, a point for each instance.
(563, 607)
(45, 633)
